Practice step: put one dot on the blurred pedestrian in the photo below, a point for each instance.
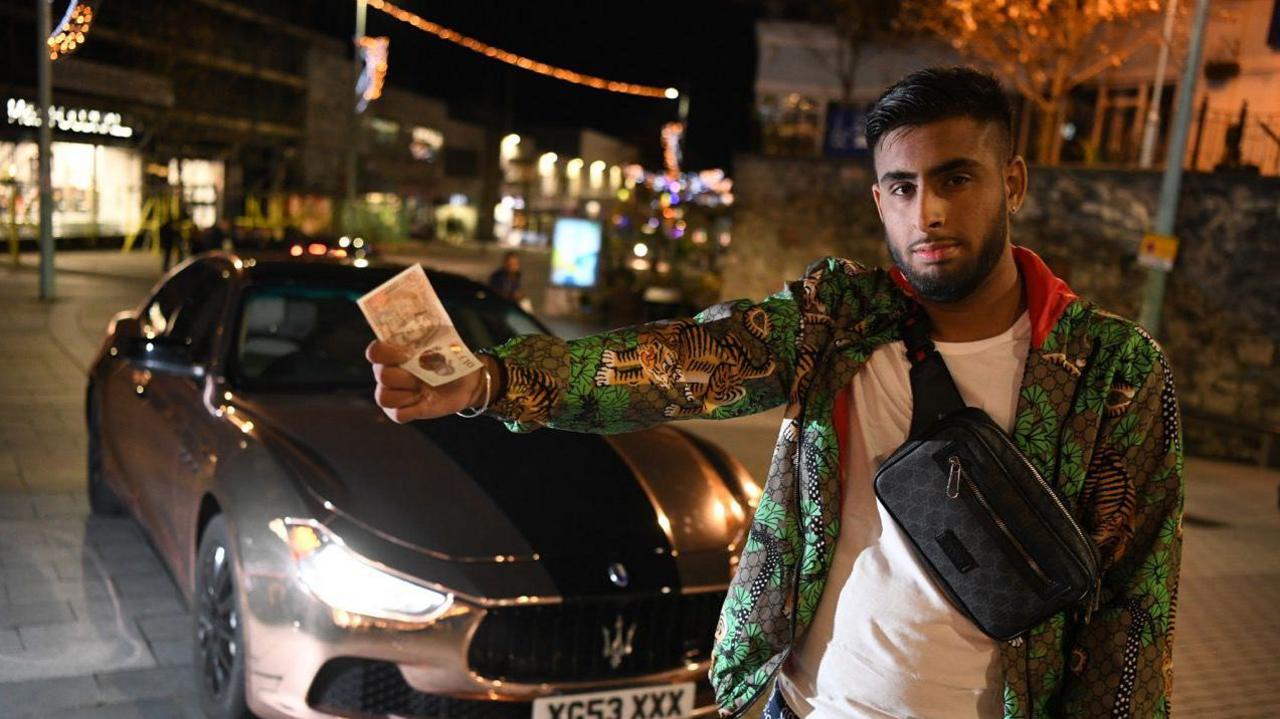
(220, 237)
(171, 239)
(505, 280)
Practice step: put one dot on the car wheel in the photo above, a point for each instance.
(102, 499)
(219, 637)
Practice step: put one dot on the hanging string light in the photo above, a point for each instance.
(524, 63)
(70, 32)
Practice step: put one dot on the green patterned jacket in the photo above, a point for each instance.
(1096, 413)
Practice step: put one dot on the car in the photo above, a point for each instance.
(339, 247)
(339, 564)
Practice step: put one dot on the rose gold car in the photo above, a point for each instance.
(338, 564)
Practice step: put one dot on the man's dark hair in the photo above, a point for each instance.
(940, 93)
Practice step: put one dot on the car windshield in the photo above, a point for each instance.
(307, 337)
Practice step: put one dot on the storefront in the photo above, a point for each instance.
(96, 172)
(103, 184)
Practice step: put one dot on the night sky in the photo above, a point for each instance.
(705, 47)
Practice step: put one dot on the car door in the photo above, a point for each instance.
(131, 430)
(180, 408)
(142, 408)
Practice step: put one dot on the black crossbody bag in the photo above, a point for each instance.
(994, 533)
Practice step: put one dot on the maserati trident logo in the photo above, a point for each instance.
(617, 644)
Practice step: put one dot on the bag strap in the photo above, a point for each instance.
(933, 391)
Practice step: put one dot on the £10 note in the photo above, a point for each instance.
(406, 312)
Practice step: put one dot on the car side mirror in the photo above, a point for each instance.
(125, 325)
(161, 354)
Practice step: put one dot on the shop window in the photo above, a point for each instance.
(202, 184)
(96, 189)
(119, 188)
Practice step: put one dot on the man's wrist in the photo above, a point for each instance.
(494, 387)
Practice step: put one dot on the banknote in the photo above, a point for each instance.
(405, 311)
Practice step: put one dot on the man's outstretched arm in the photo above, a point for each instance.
(733, 359)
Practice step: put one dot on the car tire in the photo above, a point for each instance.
(103, 500)
(216, 627)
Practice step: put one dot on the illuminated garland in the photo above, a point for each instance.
(71, 31)
(521, 62)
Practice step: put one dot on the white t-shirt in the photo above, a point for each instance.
(885, 641)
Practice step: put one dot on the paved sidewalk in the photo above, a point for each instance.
(92, 626)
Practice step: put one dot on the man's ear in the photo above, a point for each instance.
(1015, 182)
(875, 195)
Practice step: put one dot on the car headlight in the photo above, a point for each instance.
(353, 586)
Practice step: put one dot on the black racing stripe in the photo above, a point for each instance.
(572, 497)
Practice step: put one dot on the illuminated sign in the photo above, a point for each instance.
(87, 122)
(575, 252)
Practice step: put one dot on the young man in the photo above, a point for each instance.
(828, 596)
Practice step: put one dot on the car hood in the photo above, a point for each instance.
(471, 491)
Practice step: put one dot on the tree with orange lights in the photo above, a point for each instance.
(1043, 47)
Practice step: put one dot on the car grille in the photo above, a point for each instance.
(567, 643)
(363, 686)
(373, 688)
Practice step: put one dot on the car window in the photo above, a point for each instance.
(163, 308)
(187, 308)
(198, 315)
(301, 336)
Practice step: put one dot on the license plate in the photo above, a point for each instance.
(675, 700)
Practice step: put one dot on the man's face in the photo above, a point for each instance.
(943, 192)
(512, 264)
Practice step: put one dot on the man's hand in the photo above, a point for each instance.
(405, 398)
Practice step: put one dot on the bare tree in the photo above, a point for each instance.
(1043, 47)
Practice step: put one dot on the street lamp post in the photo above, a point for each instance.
(1171, 183)
(1157, 92)
(44, 100)
(362, 9)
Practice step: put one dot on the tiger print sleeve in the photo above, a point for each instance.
(734, 359)
(1121, 662)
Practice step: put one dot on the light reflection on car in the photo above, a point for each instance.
(338, 564)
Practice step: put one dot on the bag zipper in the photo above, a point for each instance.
(1054, 496)
(1091, 554)
(955, 476)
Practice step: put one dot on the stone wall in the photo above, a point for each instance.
(1221, 320)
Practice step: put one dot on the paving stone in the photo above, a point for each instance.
(12, 482)
(145, 684)
(58, 590)
(142, 564)
(13, 615)
(60, 650)
(177, 626)
(43, 697)
(166, 708)
(173, 652)
(145, 586)
(9, 642)
(129, 608)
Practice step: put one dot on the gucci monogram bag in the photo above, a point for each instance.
(993, 532)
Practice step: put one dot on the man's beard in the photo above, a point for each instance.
(956, 285)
